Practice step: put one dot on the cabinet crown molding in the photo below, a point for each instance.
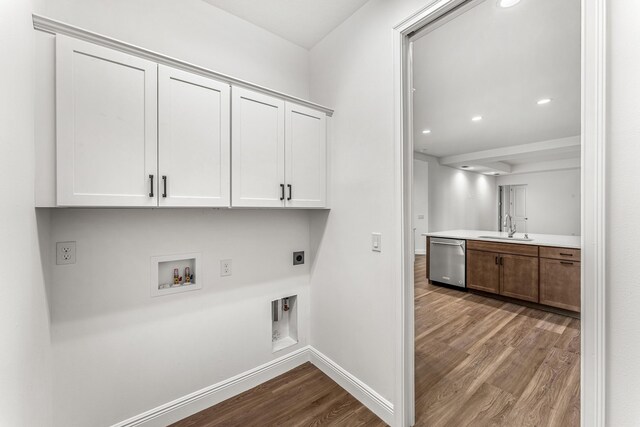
(42, 23)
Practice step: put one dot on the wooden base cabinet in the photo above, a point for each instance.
(560, 283)
(539, 274)
(519, 277)
(503, 268)
(483, 271)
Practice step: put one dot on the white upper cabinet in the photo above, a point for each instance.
(257, 150)
(130, 132)
(194, 140)
(305, 157)
(278, 153)
(106, 104)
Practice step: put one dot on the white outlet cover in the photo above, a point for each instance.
(226, 267)
(65, 253)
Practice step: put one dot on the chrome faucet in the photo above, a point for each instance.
(512, 227)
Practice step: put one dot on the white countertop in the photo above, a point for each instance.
(538, 239)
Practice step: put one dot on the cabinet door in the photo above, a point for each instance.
(560, 283)
(106, 107)
(519, 277)
(305, 157)
(257, 149)
(193, 140)
(483, 271)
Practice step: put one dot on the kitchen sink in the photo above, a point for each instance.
(517, 239)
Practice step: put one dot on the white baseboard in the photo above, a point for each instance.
(420, 251)
(214, 394)
(365, 394)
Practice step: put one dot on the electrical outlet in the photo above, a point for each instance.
(298, 258)
(225, 267)
(65, 253)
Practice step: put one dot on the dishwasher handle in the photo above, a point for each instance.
(446, 244)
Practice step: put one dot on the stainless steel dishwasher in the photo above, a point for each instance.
(447, 261)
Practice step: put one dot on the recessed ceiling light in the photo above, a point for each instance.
(426, 131)
(464, 167)
(496, 174)
(508, 3)
(476, 118)
(544, 101)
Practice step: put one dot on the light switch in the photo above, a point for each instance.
(376, 242)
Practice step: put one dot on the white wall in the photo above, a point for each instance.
(25, 386)
(116, 351)
(194, 31)
(460, 200)
(352, 288)
(553, 200)
(623, 200)
(457, 199)
(420, 203)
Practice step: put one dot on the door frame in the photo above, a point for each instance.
(593, 214)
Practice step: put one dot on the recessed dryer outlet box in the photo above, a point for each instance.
(163, 267)
(284, 322)
(298, 258)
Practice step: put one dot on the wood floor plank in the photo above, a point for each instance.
(488, 406)
(434, 361)
(554, 322)
(570, 338)
(519, 368)
(547, 398)
(304, 396)
(443, 401)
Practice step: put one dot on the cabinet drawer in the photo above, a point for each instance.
(560, 284)
(503, 248)
(560, 253)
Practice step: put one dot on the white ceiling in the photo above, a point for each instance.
(497, 62)
(303, 22)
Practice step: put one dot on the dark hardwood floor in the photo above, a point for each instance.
(304, 396)
(484, 362)
(479, 362)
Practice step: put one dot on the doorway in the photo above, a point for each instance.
(592, 178)
(512, 207)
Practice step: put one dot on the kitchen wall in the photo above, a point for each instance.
(553, 200)
(460, 200)
(25, 385)
(420, 203)
(116, 351)
(623, 205)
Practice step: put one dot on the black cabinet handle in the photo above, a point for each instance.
(290, 192)
(565, 254)
(496, 260)
(164, 185)
(281, 191)
(566, 263)
(151, 186)
(501, 261)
